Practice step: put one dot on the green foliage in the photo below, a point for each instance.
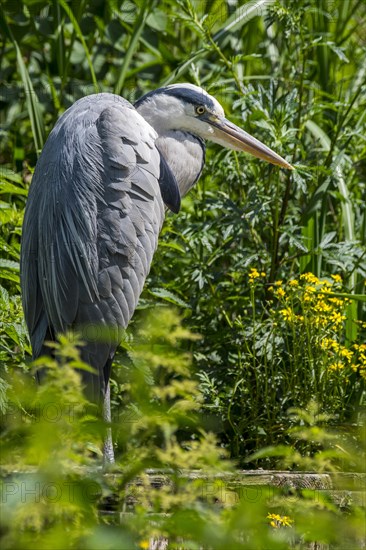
(293, 350)
(48, 434)
(58, 496)
(14, 342)
(13, 193)
(314, 447)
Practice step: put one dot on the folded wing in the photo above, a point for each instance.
(91, 226)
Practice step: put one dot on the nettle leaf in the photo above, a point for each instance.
(296, 242)
(9, 264)
(8, 174)
(7, 187)
(327, 239)
(338, 51)
(169, 297)
(10, 276)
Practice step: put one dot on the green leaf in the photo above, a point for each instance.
(327, 239)
(80, 35)
(172, 246)
(133, 44)
(9, 264)
(271, 451)
(32, 100)
(6, 187)
(8, 174)
(169, 297)
(241, 16)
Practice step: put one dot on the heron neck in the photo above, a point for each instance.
(185, 154)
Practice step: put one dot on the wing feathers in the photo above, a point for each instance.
(91, 226)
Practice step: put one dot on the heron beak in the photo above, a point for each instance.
(229, 135)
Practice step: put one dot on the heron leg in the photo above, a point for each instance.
(108, 453)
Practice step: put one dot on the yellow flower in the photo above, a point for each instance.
(288, 314)
(310, 289)
(337, 365)
(293, 282)
(281, 293)
(144, 544)
(335, 345)
(348, 354)
(362, 371)
(336, 317)
(322, 306)
(327, 343)
(279, 521)
(310, 278)
(336, 278)
(320, 321)
(360, 363)
(286, 521)
(254, 274)
(336, 301)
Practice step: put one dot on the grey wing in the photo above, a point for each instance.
(91, 226)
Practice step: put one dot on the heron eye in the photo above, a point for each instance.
(200, 109)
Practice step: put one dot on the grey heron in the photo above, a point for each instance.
(96, 205)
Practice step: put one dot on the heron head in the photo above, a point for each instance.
(190, 108)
